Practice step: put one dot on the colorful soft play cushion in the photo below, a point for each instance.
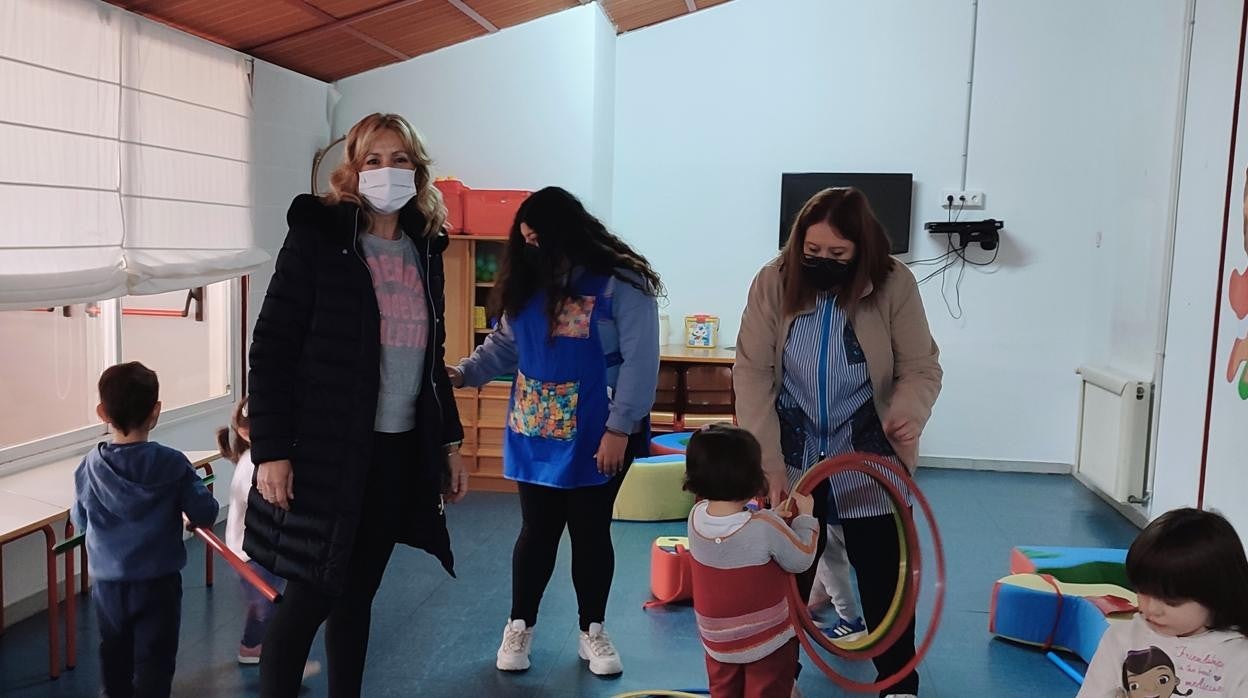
(1075, 565)
(1042, 611)
(653, 490)
(668, 444)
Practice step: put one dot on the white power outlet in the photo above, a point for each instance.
(961, 199)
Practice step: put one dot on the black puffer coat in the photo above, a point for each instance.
(315, 372)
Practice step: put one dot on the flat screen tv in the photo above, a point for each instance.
(889, 195)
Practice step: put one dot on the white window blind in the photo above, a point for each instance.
(61, 232)
(124, 156)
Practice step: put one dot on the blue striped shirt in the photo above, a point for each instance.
(827, 387)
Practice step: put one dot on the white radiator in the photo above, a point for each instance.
(1114, 413)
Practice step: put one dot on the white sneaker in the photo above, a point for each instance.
(310, 669)
(596, 647)
(513, 654)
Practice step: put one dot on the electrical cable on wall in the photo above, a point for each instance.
(985, 232)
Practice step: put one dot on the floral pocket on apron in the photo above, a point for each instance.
(574, 317)
(544, 409)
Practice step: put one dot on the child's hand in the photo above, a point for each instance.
(805, 504)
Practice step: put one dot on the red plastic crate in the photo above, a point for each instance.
(491, 211)
(453, 196)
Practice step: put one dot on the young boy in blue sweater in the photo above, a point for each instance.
(131, 498)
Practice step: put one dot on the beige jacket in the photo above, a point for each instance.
(902, 357)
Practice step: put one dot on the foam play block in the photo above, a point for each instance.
(1076, 565)
(1045, 612)
(668, 444)
(652, 490)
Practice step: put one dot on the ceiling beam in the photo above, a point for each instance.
(334, 24)
(371, 41)
(474, 15)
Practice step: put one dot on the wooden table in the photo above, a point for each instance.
(679, 353)
(31, 501)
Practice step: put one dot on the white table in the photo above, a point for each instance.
(21, 517)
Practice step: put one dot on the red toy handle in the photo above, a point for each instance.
(212, 541)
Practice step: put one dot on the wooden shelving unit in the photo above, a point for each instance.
(483, 411)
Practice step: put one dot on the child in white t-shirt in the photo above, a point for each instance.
(235, 444)
(1191, 574)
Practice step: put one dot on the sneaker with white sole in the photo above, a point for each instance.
(248, 655)
(846, 629)
(597, 648)
(310, 669)
(513, 653)
(901, 695)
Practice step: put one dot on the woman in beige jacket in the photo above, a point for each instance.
(834, 356)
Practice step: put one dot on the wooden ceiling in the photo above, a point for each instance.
(332, 39)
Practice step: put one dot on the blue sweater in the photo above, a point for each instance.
(130, 500)
(633, 333)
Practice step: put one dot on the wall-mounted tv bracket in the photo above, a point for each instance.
(986, 232)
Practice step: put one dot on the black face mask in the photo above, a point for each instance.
(825, 274)
(532, 254)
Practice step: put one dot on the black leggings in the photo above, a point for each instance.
(346, 617)
(586, 512)
(873, 548)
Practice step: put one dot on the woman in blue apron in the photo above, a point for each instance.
(579, 328)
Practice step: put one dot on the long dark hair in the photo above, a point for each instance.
(1193, 555)
(568, 236)
(847, 210)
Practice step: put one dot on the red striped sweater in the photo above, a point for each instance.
(741, 566)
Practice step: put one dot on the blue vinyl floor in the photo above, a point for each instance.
(436, 636)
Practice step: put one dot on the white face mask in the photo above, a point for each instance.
(387, 189)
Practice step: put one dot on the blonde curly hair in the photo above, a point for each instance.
(345, 179)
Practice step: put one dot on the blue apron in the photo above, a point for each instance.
(559, 400)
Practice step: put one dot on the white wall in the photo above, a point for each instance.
(1226, 478)
(1072, 131)
(1071, 96)
(511, 110)
(603, 173)
(1185, 375)
(290, 122)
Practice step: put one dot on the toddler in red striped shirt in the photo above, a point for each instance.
(742, 560)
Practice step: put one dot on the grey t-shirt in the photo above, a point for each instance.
(404, 328)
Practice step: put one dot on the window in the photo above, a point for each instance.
(125, 174)
(191, 352)
(51, 360)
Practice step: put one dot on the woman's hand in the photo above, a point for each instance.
(611, 453)
(459, 477)
(777, 488)
(901, 431)
(275, 481)
(456, 376)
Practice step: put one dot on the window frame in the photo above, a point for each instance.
(48, 449)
